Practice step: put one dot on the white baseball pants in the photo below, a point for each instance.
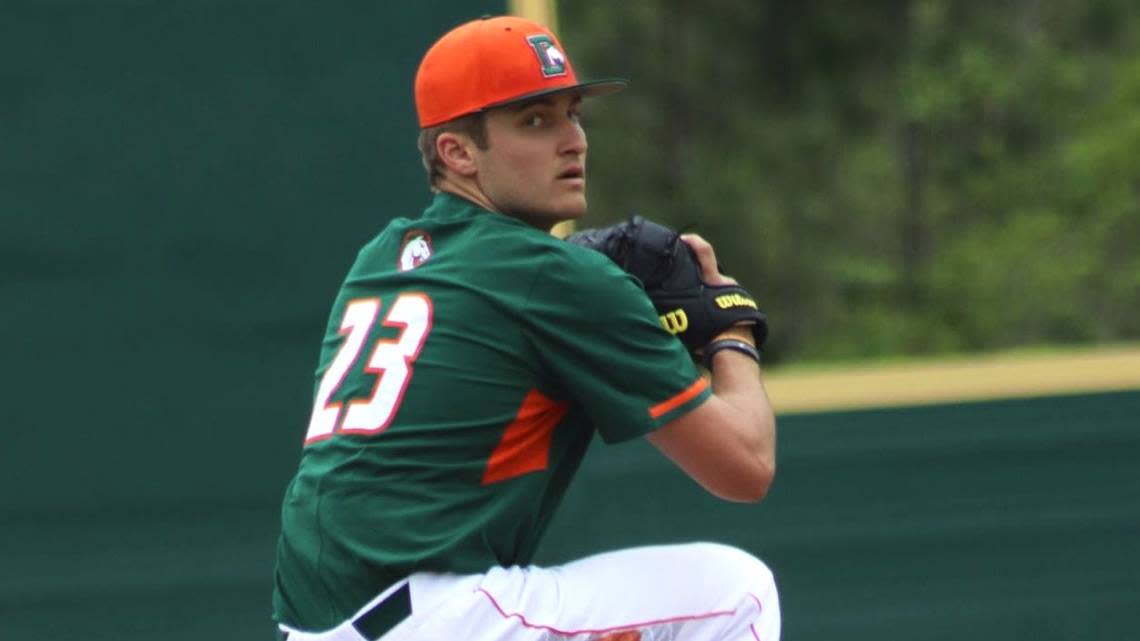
(692, 592)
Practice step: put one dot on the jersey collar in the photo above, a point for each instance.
(449, 205)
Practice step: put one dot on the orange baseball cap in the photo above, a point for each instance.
(491, 62)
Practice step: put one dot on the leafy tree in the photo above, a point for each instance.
(904, 176)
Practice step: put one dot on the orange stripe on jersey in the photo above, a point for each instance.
(525, 446)
(686, 395)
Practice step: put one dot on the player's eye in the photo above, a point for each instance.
(534, 120)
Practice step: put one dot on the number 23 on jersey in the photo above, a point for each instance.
(390, 362)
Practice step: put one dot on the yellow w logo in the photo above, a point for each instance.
(675, 321)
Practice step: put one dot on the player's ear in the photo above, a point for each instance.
(457, 152)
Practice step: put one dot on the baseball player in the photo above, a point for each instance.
(471, 356)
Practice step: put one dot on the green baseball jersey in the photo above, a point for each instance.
(469, 359)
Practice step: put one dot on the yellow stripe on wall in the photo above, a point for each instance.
(984, 377)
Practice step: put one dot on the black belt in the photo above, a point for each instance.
(377, 620)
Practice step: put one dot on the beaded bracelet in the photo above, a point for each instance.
(730, 343)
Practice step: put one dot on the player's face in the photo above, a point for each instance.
(535, 165)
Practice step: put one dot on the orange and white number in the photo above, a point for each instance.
(391, 362)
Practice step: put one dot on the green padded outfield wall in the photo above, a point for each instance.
(1001, 520)
(184, 184)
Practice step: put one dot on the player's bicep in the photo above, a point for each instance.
(715, 445)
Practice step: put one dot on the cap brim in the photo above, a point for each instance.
(590, 89)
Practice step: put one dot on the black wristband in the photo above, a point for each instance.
(730, 343)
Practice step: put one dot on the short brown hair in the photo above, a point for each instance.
(473, 126)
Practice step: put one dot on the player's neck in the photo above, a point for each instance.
(466, 189)
(469, 190)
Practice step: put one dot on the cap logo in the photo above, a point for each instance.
(552, 60)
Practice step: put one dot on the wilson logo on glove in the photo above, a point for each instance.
(728, 301)
(675, 321)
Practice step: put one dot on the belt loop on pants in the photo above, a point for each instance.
(374, 622)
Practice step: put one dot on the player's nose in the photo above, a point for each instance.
(574, 138)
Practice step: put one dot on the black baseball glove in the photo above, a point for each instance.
(693, 310)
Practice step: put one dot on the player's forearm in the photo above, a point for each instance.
(736, 379)
(728, 443)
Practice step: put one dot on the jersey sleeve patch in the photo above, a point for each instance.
(525, 445)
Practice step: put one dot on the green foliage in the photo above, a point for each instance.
(905, 177)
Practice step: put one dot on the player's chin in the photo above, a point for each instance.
(571, 204)
(573, 213)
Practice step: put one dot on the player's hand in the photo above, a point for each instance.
(706, 258)
(696, 302)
